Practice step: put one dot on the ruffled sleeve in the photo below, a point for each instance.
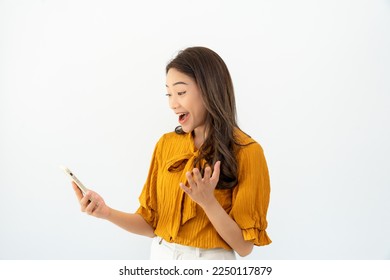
(148, 197)
(251, 196)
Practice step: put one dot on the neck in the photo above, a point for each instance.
(199, 136)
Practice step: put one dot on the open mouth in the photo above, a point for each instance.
(183, 117)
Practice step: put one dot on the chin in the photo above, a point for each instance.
(186, 129)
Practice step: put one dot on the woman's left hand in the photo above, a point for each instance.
(201, 190)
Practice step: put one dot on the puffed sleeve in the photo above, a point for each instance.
(251, 196)
(148, 197)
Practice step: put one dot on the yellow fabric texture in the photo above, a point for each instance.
(176, 218)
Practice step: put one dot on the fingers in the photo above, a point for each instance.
(92, 206)
(77, 191)
(196, 182)
(190, 180)
(185, 188)
(197, 176)
(90, 202)
(217, 170)
(84, 201)
(207, 174)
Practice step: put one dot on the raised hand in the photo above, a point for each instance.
(92, 203)
(201, 190)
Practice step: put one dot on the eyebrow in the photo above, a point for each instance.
(178, 83)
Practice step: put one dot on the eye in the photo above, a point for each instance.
(181, 93)
(168, 94)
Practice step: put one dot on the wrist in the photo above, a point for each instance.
(210, 204)
(108, 214)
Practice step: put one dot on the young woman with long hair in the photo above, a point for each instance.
(207, 192)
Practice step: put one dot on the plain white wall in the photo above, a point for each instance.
(82, 84)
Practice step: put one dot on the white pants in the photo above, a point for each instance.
(162, 250)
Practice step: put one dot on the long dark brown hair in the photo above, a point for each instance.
(213, 78)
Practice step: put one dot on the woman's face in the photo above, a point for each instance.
(185, 99)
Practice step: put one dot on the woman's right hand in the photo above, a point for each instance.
(92, 203)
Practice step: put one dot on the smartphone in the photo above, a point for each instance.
(71, 176)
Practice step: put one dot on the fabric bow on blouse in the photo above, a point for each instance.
(185, 206)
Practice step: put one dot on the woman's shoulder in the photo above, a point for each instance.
(245, 143)
(172, 138)
(250, 155)
(241, 138)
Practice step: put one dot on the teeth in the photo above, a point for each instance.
(182, 116)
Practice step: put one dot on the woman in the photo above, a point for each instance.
(207, 192)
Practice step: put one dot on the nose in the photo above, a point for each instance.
(173, 102)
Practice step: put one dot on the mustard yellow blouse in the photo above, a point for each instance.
(176, 218)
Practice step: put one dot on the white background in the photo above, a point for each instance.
(82, 83)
